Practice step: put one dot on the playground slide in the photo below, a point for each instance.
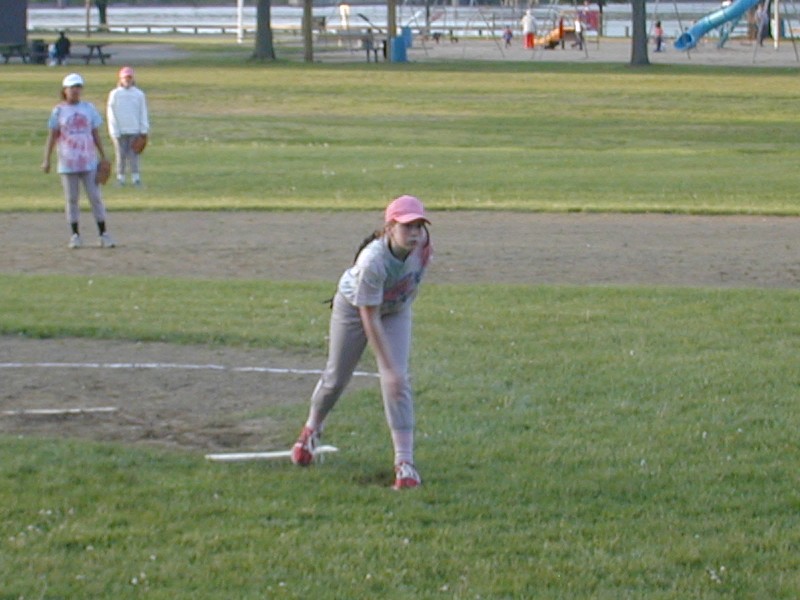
(689, 40)
(553, 39)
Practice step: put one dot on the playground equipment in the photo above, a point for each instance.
(563, 29)
(689, 39)
(726, 18)
(554, 37)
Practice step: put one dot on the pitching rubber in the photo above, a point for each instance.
(244, 456)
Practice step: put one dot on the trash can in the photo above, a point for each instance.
(407, 36)
(398, 50)
(38, 52)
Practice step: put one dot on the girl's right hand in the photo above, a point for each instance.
(46, 166)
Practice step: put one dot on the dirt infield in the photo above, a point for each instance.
(220, 408)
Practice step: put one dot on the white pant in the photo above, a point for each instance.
(346, 345)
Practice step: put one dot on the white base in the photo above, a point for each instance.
(242, 456)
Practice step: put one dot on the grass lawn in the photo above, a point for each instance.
(561, 137)
(576, 442)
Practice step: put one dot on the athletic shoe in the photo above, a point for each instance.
(303, 449)
(75, 241)
(106, 241)
(406, 476)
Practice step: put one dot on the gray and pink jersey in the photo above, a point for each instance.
(379, 278)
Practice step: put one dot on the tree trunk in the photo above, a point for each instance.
(308, 35)
(639, 45)
(264, 48)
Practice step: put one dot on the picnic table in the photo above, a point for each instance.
(10, 50)
(95, 53)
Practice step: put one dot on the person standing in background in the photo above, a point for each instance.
(659, 35)
(762, 21)
(508, 35)
(61, 49)
(127, 119)
(528, 23)
(578, 32)
(73, 130)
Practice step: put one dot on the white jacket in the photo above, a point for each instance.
(126, 112)
(528, 22)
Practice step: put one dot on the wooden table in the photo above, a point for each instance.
(95, 53)
(10, 50)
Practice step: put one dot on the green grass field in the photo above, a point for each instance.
(576, 442)
(464, 135)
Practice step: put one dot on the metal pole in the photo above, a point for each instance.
(240, 21)
(88, 18)
(391, 24)
(308, 38)
(776, 25)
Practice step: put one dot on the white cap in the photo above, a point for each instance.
(71, 80)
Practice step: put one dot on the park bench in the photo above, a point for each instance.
(373, 45)
(9, 51)
(34, 52)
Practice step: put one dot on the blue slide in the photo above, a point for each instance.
(689, 40)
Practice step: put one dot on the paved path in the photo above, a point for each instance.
(735, 53)
(608, 50)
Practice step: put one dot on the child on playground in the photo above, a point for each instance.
(508, 35)
(659, 36)
(373, 305)
(73, 128)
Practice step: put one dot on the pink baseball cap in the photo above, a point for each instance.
(405, 209)
(126, 72)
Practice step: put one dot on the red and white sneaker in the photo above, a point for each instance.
(406, 476)
(303, 449)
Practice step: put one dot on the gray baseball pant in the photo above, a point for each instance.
(71, 184)
(346, 345)
(124, 154)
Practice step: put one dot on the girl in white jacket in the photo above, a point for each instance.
(127, 118)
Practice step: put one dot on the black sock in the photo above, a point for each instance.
(74, 228)
(101, 227)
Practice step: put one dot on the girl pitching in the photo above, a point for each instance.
(373, 305)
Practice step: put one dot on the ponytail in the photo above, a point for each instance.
(378, 233)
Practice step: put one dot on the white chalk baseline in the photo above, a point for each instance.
(170, 366)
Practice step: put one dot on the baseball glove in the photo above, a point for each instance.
(103, 172)
(139, 143)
